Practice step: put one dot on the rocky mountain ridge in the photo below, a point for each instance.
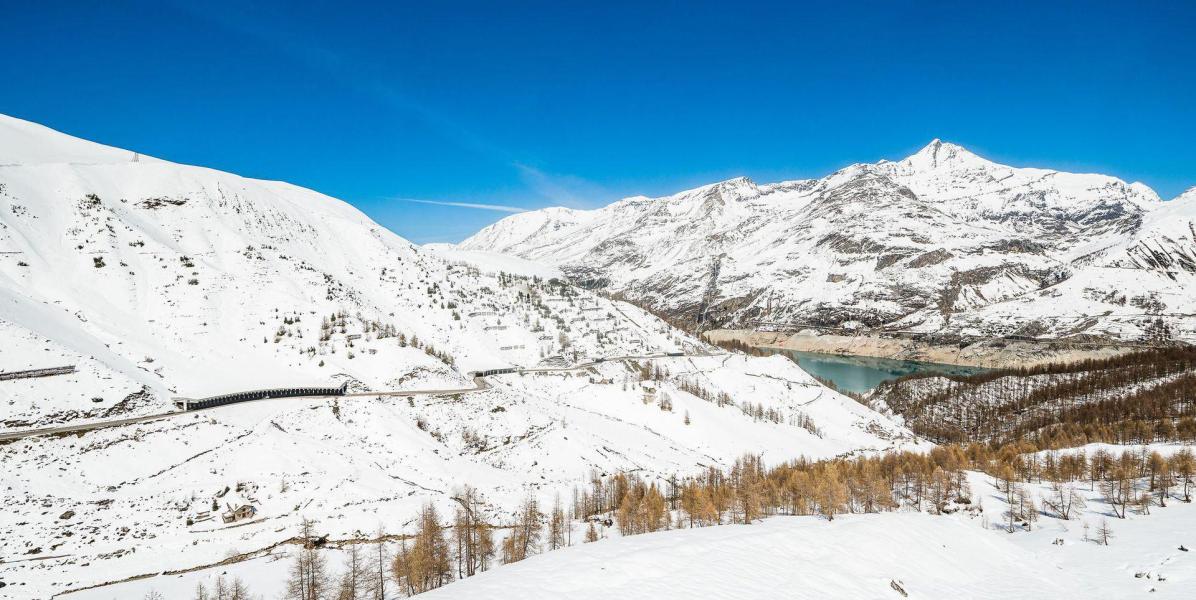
(942, 242)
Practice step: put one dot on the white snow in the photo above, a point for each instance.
(858, 556)
(961, 555)
(494, 262)
(943, 240)
(27, 143)
(157, 279)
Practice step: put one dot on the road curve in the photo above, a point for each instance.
(479, 384)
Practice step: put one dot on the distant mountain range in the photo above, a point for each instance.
(943, 241)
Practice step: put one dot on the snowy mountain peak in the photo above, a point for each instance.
(943, 240)
(27, 143)
(734, 187)
(932, 148)
(944, 155)
(737, 181)
(1187, 196)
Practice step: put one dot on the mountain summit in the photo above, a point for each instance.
(940, 154)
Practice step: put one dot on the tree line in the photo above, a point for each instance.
(441, 551)
(757, 411)
(1134, 398)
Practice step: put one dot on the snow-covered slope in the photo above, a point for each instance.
(495, 262)
(156, 279)
(967, 554)
(27, 143)
(863, 556)
(358, 464)
(783, 557)
(1167, 241)
(942, 241)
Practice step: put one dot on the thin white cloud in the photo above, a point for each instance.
(563, 190)
(494, 207)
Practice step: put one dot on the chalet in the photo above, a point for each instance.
(245, 511)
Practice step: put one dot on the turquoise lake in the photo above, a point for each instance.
(860, 374)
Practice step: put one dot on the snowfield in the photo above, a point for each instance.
(861, 556)
(783, 557)
(140, 274)
(962, 555)
(494, 262)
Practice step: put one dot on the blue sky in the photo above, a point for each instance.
(528, 104)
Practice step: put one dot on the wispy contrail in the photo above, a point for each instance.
(496, 207)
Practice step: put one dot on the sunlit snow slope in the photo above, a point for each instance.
(888, 555)
(156, 279)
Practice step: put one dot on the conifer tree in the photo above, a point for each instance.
(831, 491)
(1184, 466)
(425, 563)
(379, 561)
(309, 573)
(524, 539)
(557, 524)
(356, 577)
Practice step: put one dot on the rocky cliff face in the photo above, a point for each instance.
(943, 241)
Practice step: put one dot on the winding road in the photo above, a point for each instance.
(479, 384)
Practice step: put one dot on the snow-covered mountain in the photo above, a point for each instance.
(1167, 240)
(156, 279)
(180, 280)
(942, 241)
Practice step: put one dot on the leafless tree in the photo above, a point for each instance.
(1104, 533)
(309, 573)
(355, 579)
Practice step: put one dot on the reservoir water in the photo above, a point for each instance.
(860, 374)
